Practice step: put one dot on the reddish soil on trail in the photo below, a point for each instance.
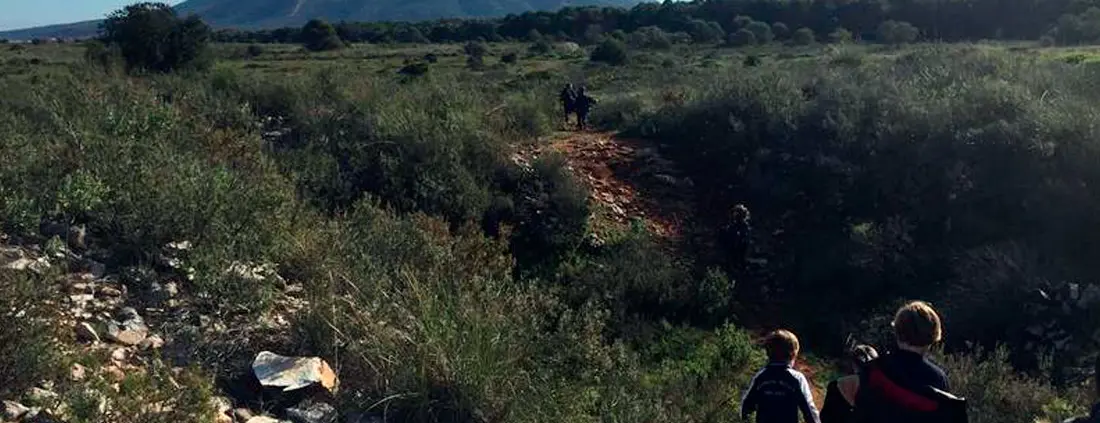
(627, 179)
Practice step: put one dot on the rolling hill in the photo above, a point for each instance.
(252, 14)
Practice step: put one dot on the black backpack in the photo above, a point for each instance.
(882, 400)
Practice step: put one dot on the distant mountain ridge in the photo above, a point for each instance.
(252, 14)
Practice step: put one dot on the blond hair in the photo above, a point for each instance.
(917, 324)
(781, 345)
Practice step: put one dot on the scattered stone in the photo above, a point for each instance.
(107, 291)
(154, 342)
(119, 355)
(14, 411)
(290, 373)
(243, 414)
(81, 298)
(312, 412)
(40, 396)
(114, 373)
(85, 332)
(77, 372)
(131, 331)
(38, 265)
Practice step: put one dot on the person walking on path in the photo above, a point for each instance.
(568, 99)
(584, 106)
(778, 393)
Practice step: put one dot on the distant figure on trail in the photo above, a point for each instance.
(840, 396)
(904, 386)
(583, 105)
(736, 235)
(568, 99)
(778, 393)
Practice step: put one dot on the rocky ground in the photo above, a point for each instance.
(116, 325)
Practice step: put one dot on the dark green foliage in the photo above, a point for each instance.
(415, 69)
(803, 37)
(534, 36)
(761, 31)
(318, 35)
(255, 50)
(151, 37)
(431, 58)
(509, 58)
(705, 31)
(751, 60)
(1078, 28)
(894, 32)
(743, 37)
(1046, 41)
(100, 55)
(28, 350)
(741, 21)
(541, 47)
(781, 31)
(650, 37)
(552, 211)
(611, 51)
(410, 34)
(592, 35)
(475, 54)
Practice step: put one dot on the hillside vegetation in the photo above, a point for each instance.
(370, 206)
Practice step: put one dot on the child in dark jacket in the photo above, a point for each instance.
(778, 393)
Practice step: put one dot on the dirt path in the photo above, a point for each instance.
(627, 180)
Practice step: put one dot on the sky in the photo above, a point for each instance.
(17, 14)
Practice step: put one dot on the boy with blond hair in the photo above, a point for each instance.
(905, 386)
(778, 393)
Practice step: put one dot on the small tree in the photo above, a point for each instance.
(780, 31)
(534, 35)
(318, 35)
(611, 51)
(761, 31)
(743, 37)
(894, 32)
(803, 37)
(705, 32)
(150, 36)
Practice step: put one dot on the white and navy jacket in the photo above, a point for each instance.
(777, 394)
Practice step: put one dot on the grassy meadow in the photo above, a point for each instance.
(446, 283)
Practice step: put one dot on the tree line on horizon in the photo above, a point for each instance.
(1053, 21)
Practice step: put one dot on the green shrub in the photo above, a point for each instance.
(741, 38)
(803, 37)
(650, 37)
(761, 32)
(996, 392)
(612, 52)
(780, 30)
(318, 35)
(255, 50)
(894, 32)
(551, 213)
(29, 351)
(509, 58)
